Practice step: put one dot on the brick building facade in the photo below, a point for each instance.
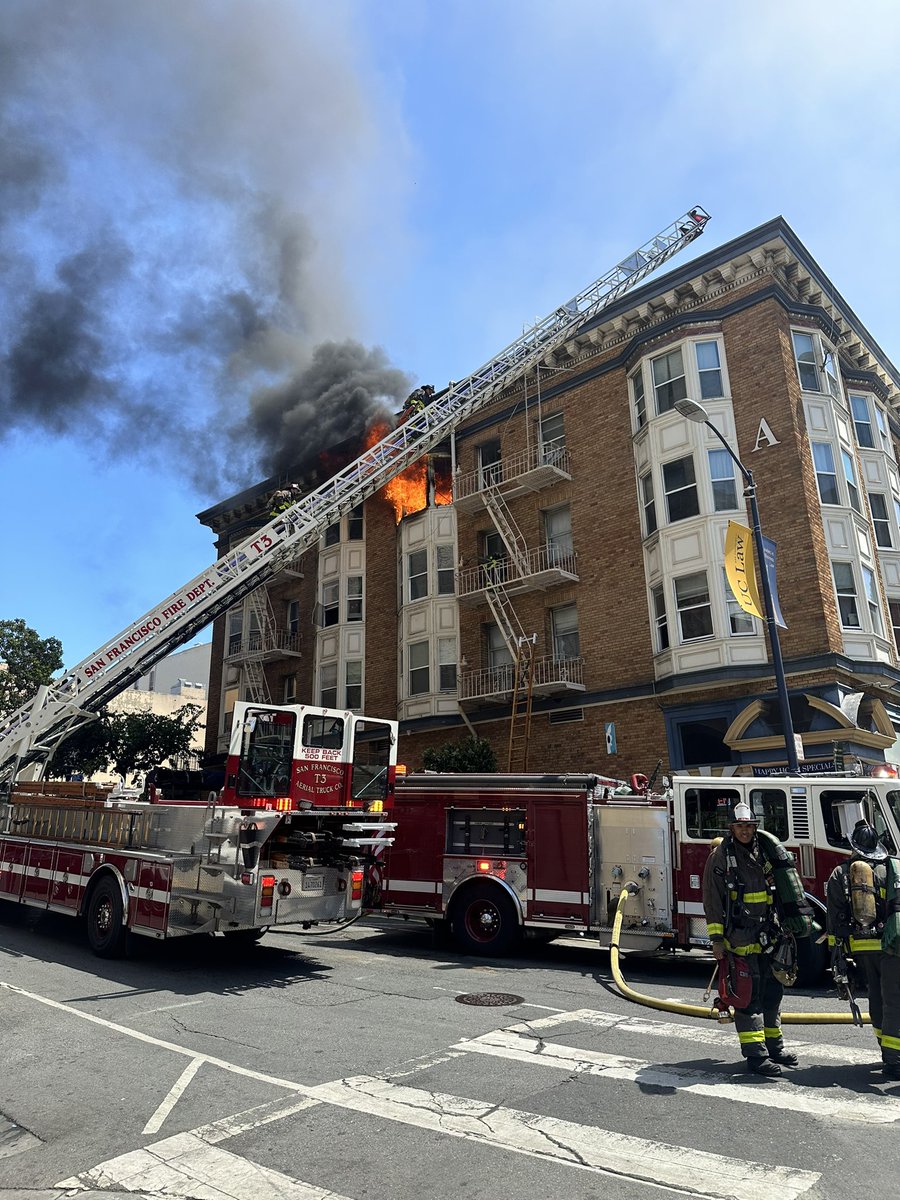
(587, 534)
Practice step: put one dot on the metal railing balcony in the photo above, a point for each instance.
(263, 646)
(550, 676)
(546, 567)
(529, 470)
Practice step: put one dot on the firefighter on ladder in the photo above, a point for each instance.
(739, 899)
(863, 897)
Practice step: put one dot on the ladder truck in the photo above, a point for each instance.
(303, 811)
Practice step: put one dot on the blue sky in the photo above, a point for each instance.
(196, 195)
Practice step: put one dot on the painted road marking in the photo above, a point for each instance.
(144, 1012)
(567, 1143)
(816, 1102)
(174, 1095)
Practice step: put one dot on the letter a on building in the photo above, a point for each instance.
(740, 567)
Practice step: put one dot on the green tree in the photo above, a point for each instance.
(473, 754)
(28, 661)
(127, 742)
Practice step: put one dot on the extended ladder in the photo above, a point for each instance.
(34, 731)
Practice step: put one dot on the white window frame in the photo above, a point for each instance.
(846, 592)
(638, 398)
(498, 654)
(705, 374)
(565, 635)
(688, 601)
(648, 504)
(683, 488)
(353, 679)
(418, 672)
(417, 571)
(660, 617)
(354, 598)
(881, 521)
(447, 664)
(331, 603)
(552, 431)
(356, 530)
(722, 461)
(850, 479)
(557, 522)
(445, 569)
(328, 684)
(862, 420)
(870, 590)
(818, 361)
(825, 448)
(740, 623)
(894, 610)
(671, 381)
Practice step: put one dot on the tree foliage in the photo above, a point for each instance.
(127, 742)
(473, 754)
(30, 661)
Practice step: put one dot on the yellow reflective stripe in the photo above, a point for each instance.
(772, 1035)
(865, 943)
(877, 1033)
(832, 940)
(756, 897)
(753, 948)
(751, 1037)
(890, 1043)
(713, 928)
(882, 892)
(733, 895)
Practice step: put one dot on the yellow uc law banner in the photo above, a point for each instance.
(740, 568)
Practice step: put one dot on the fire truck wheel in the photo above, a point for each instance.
(105, 931)
(245, 937)
(483, 920)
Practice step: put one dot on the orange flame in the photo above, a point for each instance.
(407, 492)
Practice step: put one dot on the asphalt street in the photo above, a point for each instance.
(348, 1066)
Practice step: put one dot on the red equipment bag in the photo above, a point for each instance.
(735, 983)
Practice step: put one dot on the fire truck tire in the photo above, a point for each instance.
(106, 933)
(245, 937)
(483, 920)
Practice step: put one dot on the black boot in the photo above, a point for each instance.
(787, 1058)
(763, 1066)
(890, 1071)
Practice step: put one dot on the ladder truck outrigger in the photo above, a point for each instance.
(308, 791)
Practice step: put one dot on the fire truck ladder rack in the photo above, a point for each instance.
(34, 731)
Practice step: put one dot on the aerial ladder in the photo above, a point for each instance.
(32, 733)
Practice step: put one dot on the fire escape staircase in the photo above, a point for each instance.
(262, 632)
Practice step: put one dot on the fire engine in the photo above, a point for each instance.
(495, 857)
(304, 788)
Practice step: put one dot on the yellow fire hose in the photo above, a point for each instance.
(697, 1010)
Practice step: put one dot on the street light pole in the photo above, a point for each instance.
(696, 412)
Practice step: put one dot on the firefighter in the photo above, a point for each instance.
(740, 902)
(284, 498)
(863, 903)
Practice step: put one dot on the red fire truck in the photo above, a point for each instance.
(288, 840)
(493, 857)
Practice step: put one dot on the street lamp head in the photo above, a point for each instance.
(691, 409)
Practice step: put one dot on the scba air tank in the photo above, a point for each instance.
(862, 893)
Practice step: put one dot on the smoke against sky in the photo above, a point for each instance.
(182, 187)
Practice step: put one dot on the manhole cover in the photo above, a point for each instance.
(489, 999)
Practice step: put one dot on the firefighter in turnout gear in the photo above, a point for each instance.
(742, 906)
(863, 896)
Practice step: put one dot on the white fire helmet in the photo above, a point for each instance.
(743, 812)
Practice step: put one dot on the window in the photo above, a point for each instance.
(353, 684)
(354, 598)
(497, 650)
(668, 380)
(740, 623)
(417, 574)
(446, 583)
(707, 808)
(266, 753)
(862, 422)
(694, 609)
(328, 685)
(661, 621)
(709, 370)
(447, 664)
(871, 589)
(680, 485)
(830, 367)
(884, 433)
(805, 353)
(553, 438)
(564, 622)
(649, 502)
(640, 400)
(292, 621)
(289, 689)
(894, 607)
(235, 630)
(721, 472)
(326, 733)
(850, 476)
(330, 599)
(355, 526)
(826, 476)
(489, 469)
(333, 534)
(846, 594)
(418, 669)
(880, 519)
(558, 534)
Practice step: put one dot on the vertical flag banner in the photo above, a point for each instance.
(769, 552)
(740, 570)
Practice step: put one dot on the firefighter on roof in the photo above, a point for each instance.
(863, 896)
(754, 906)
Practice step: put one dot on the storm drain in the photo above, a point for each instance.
(13, 1139)
(489, 999)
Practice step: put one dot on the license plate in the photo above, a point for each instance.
(313, 883)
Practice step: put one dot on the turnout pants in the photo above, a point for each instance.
(882, 973)
(759, 1024)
